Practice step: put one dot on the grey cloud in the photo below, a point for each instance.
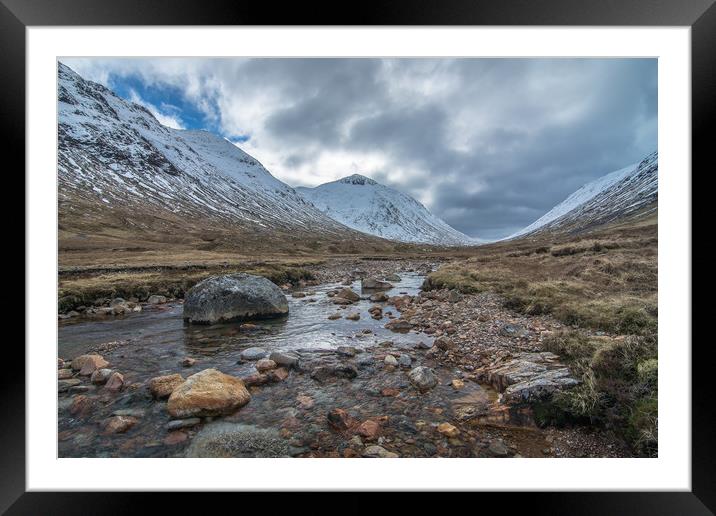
(495, 142)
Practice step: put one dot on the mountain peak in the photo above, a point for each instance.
(381, 211)
(357, 179)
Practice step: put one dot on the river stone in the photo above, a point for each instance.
(372, 283)
(392, 277)
(348, 294)
(390, 360)
(405, 360)
(157, 300)
(424, 378)
(222, 439)
(208, 393)
(253, 354)
(87, 364)
(64, 385)
(233, 297)
(162, 386)
(376, 451)
(177, 424)
(284, 359)
(100, 376)
(530, 377)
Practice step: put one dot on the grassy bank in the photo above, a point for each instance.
(86, 287)
(606, 282)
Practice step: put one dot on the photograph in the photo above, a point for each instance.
(357, 257)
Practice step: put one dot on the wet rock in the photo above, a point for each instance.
(115, 382)
(284, 359)
(298, 294)
(390, 360)
(372, 283)
(335, 316)
(117, 301)
(353, 317)
(379, 297)
(497, 448)
(340, 420)
(254, 353)
(389, 392)
(529, 377)
(364, 361)
(233, 297)
(81, 405)
(222, 439)
(208, 393)
(457, 384)
(177, 424)
(513, 330)
(448, 430)
(162, 386)
(370, 429)
(265, 364)
(375, 451)
(175, 438)
(277, 375)
(188, 362)
(118, 424)
(64, 385)
(325, 372)
(156, 300)
(100, 376)
(398, 325)
(424, 378)
(255, 379)
(341, 301)
(348, 294)
(392, 277)
(87, 364)
(405, 360)
(64, 374)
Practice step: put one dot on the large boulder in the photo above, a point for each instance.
(233, 297)
(373, 283)
(208, 393)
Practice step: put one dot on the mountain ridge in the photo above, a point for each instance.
(362, 203)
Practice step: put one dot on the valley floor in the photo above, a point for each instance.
(500, 325)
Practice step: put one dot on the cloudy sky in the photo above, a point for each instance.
(489, 145)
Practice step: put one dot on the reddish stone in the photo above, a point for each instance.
(175, 438)
(340, 420)
(115, 382)
(369, 429)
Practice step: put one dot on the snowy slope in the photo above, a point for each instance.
(115, 155)
(613, 196)
(365, 205)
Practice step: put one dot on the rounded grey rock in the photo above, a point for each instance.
(233, 297)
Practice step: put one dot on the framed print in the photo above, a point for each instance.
(266, 247)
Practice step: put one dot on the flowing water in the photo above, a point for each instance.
(153, 343)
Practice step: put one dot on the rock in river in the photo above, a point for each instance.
(88, 364)
(233, 297)
(208, 393)
(372, 283)
(162, 386)
(424, 378)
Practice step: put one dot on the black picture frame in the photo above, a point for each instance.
(700, 15)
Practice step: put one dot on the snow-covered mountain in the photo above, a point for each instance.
(115, 158)
(365, 205)
(625, 192)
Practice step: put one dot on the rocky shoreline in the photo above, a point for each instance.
(464, 386)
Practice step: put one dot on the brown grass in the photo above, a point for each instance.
(606, 281)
